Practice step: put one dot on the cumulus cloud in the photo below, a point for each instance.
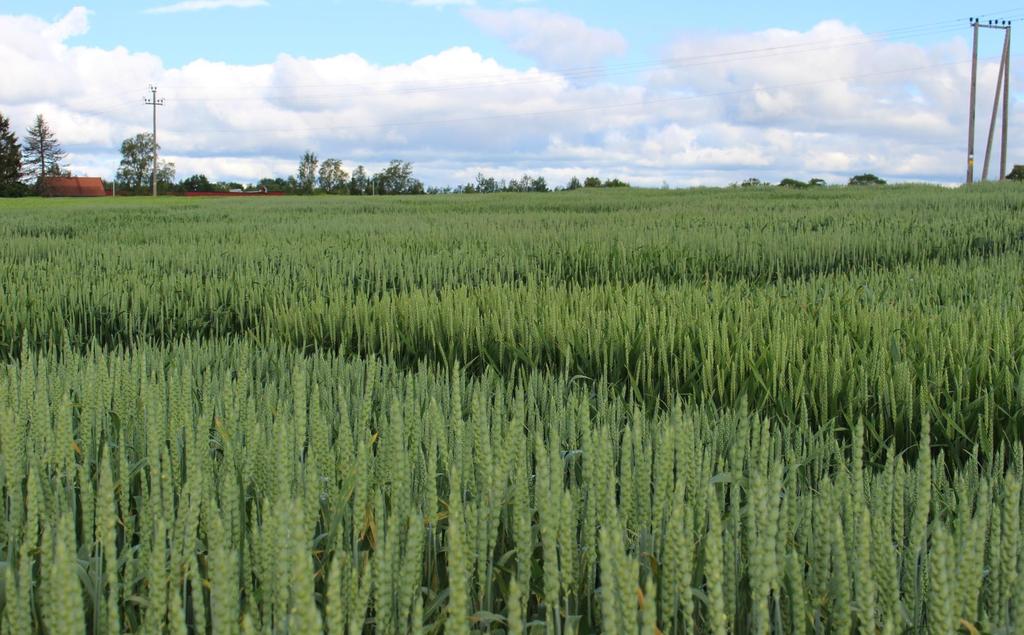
(76, 22)
(553, 39)
(819, 103)
(206, 5)
(787, 67)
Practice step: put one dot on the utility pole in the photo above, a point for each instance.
(154, 102)
(1006, 101)
(1002, 90)
(974, 95)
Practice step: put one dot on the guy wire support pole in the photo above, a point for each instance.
(974, 93)
(154, 102)
(1006, 101)
(995, 114)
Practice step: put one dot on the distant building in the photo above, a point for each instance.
(73, 186)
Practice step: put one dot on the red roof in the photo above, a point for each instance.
(73, 186)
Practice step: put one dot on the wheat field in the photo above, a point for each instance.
(703, 411)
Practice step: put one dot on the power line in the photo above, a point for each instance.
(105, 99)
(999, 13)
(97, 113)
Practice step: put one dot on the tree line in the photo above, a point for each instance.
(860, 179)
(319, 177)
(329, 176)
(23, 165)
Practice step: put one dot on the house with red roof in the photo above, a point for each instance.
(73, 186)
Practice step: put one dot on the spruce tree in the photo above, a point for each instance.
(10, 154)
(10, 161)
(43, 155)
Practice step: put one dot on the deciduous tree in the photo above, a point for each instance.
(196, 183)
(136, 170)
(793, 183)
(487, 184)
(307, 172)
(397, 179)
(866, 179)
(333, 177)
(360, 183)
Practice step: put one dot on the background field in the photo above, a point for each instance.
(700, 411)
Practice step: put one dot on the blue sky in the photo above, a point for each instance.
(460, 86)
(395, 31)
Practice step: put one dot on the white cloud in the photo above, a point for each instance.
(205, 5)
(76, 22)
(553, 39)
(457, 112)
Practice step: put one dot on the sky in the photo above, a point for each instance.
(651, 92)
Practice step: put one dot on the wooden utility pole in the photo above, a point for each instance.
(154, 102)
(974, 95)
